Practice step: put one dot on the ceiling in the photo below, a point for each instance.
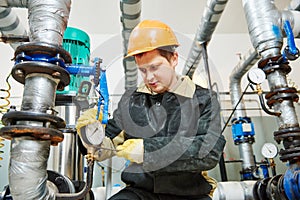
(102, 16)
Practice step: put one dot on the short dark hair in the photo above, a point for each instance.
(166, 52)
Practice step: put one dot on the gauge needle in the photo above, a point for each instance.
(94, 131)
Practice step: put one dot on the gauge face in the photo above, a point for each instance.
(256, 76)
(93, 134)
(269, 150)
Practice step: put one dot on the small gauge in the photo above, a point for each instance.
(269, 150)
(256, 76)
(93, 134)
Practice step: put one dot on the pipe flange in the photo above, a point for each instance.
(281, 90)
(63, 183)
(287, 133)
(279, 97)
(52, 121)
(291, 155)
(34, 48)
(22, 69)
(259, 189)
(284, 67)
(273, 191)
(40, 133)
(245, 139)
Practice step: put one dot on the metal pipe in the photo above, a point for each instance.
(264, 25)
(247, 156)
(234, 190)
(294, 5)
(87, 187)
(245, 149)
(27, 171)
(10, 25)
(47, 22)
(235, 82)
(210, 18)
(130, 17)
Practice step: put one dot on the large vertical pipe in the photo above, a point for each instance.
(130, 17)
(235, 83)
(47, 21)
(210, 18)
(245, 149)
(265, 24)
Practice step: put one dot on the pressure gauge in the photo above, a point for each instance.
(92, 134)
(269, 150)
(256, 76)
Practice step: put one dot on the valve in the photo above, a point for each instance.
(242, 130)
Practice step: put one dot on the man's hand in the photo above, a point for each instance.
(132, 149)
(90, 130)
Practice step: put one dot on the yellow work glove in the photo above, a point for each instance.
(132, 149)
(87, 117)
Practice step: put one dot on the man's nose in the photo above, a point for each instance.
(150, 76)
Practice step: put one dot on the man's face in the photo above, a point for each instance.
(157, 72)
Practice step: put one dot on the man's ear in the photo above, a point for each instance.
(174, 60)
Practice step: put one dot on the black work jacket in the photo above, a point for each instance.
(182, 137)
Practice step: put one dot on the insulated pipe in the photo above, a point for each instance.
(130, 17)
(234, 190)
(210, 18)
(294, 5)
(27, 171)
(10, 25)
(235, 83)
(264, 25)
(47, 18)
(47, 22)
(264, 22)
(245, 149)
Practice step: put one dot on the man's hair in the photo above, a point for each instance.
(166, 52)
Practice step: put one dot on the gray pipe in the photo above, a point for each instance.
(263, 18)
(294, 5)
(210, 18)
(235, 82)
(47, 22)
(245, 149)
(10, 24)
(234, 190)
(27, 170)
(130, 17)
(264, 25)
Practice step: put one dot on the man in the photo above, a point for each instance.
(169, 128)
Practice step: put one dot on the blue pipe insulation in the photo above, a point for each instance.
(291, 181)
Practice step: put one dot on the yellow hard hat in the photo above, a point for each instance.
(149, 35)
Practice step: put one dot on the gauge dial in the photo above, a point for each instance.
(92, 134)
(269, 150)
(256, 76)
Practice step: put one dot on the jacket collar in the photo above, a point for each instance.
(184, 87)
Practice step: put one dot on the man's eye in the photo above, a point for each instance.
(153, 67)
(143, 70)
